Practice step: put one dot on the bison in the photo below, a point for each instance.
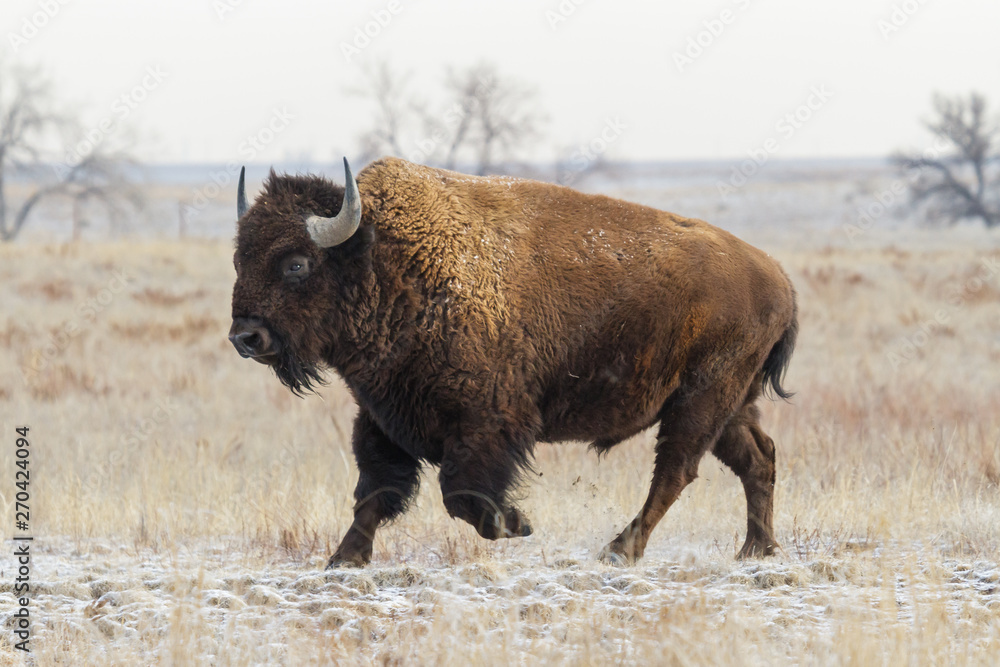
(472, 317)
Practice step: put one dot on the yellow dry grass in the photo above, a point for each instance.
(184, 502)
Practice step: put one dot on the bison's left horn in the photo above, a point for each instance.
(241, 195)
(328, 232)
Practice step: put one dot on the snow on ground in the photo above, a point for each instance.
(568, 607)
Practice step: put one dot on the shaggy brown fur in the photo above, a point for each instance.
(472, 317)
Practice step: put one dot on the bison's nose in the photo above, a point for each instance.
(246, 343)
(250, 337)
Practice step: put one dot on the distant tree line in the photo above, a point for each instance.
(482, 122)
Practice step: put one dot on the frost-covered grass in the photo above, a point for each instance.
(184, 502)
(107, 605)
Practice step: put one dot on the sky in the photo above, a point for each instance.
(196, 80)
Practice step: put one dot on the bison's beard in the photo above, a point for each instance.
(300, 376)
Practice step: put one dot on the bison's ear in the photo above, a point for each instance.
(241, 195)
(330, 232)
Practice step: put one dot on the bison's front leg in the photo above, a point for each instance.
(388, 480)
(475, 480)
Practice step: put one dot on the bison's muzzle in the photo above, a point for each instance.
(252, 339)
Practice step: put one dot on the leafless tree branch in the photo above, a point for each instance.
(29, 127)
(485, 118)
(965, 183)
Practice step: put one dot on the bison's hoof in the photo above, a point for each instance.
(514, 525)
(337, 561)
(517, 524)
(611, 555)
(756, 549)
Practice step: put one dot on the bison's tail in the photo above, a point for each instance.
(781, 354)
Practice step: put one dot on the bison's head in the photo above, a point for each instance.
(298, 256)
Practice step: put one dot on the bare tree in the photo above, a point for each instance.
(465, 90)
(29, 132)
(484, 119)
(102, 178)
(965, 182)
(502, 115)
(388, 91)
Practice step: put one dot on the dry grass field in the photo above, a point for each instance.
(184, 503)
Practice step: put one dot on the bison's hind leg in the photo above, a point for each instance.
(690, 422)
(749, 452)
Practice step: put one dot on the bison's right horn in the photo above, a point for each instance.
(329, 232)
(241, 195)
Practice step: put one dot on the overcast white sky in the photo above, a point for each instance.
(225, 75)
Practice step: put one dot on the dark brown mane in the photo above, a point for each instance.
(282, 192)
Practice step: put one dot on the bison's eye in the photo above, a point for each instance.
(295, 268)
